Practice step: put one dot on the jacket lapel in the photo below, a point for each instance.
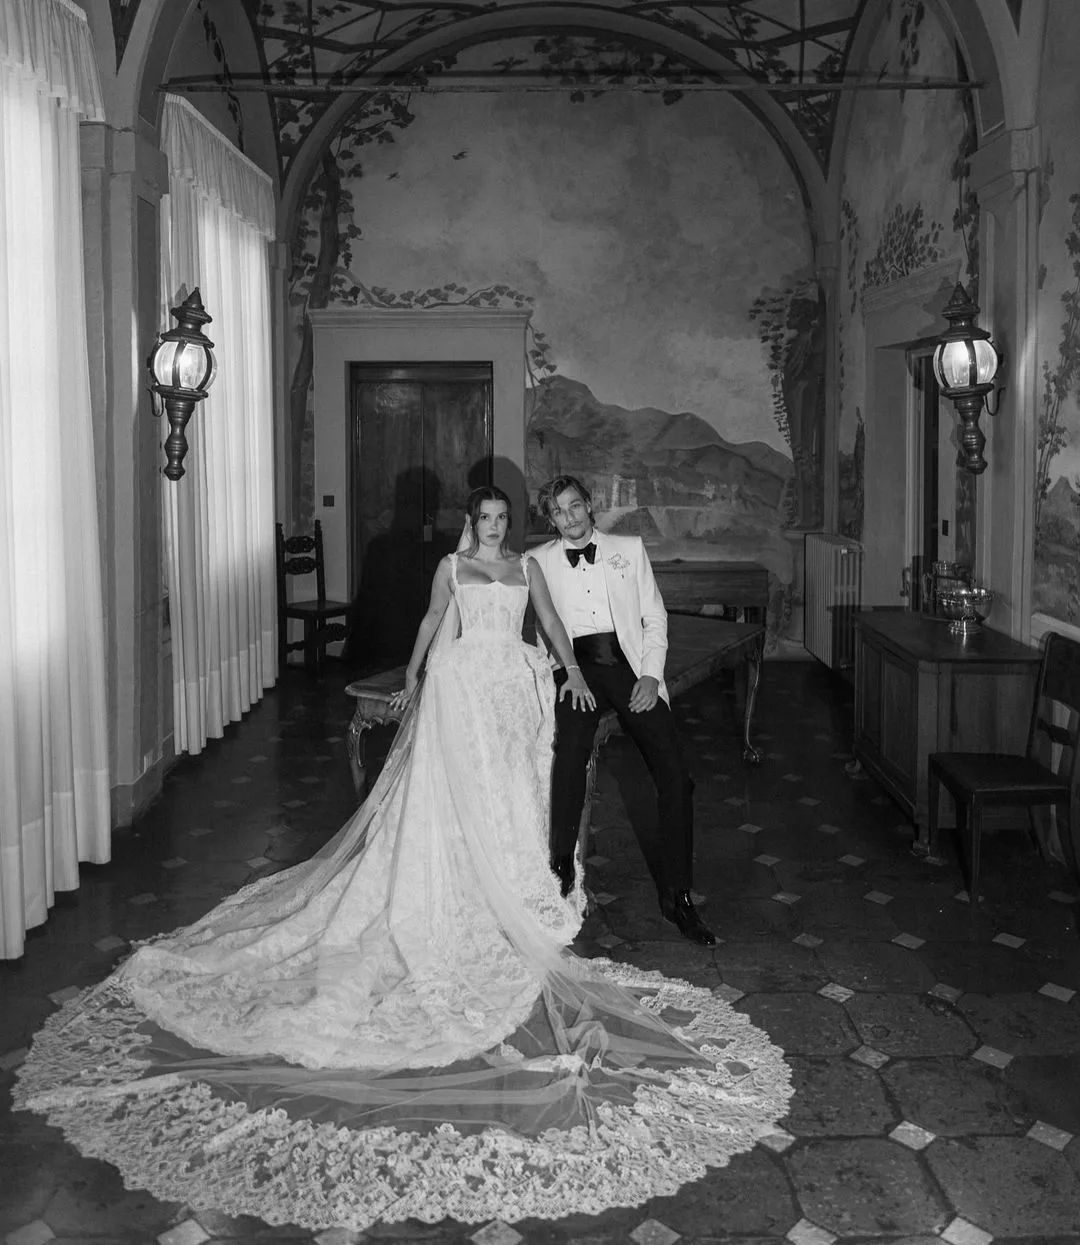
(615, 597)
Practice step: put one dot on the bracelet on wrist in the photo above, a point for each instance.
(571, 668)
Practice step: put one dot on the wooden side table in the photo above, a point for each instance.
(919, 689)
(687, 587)
(697, 649)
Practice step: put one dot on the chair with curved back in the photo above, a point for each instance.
(303, 555)
(978, 780)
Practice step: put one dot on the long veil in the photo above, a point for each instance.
(607, 1085)
(450, 625)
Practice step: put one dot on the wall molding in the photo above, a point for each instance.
(917, 288)
(347, 335)
(402, 317)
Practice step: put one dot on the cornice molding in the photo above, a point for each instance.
(412, 317)
(916, 287)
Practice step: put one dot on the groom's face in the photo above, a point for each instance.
(572, 517)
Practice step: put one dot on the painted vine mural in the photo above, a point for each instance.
(1056, 569)
(791, 325)
(907, 173)
(1056, 588)
(778, 45)
(680, 375)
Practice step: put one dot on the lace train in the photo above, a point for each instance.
(177, 1137)
(394, 1029)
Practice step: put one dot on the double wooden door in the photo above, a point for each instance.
(421, 441)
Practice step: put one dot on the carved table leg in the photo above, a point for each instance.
(354, 747)
(751, 754)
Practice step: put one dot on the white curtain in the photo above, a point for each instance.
(217, 220)
(54, 777)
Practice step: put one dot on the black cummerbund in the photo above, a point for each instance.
(600, 649)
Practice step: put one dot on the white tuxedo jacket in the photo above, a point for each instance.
(637, 608)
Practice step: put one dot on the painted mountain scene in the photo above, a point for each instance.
(669, 478)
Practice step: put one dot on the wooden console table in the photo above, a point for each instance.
(919, 689)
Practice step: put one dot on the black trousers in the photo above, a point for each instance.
(611, 682)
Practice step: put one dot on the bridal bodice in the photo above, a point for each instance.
(489, 610)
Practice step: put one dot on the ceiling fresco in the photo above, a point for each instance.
(314, 52)
(797, 50)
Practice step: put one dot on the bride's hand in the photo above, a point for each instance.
(580, 696)
(400, 699)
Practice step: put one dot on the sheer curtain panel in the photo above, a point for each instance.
(54, 777)
(217, 220)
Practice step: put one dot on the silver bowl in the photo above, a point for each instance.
(966, 608)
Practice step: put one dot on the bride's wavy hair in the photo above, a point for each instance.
(487, 492)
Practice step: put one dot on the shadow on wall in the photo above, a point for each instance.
(398, 547)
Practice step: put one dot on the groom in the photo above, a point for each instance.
(606, 596)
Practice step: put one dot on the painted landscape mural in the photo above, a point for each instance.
(1056, 572)
(671, 479)
(676, 348)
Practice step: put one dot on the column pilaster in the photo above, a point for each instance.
(123, 179)
(1005, 176)
(827, 271)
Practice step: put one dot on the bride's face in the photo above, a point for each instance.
(492, 523)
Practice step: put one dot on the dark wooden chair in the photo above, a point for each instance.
(303, 555)
(977, 780)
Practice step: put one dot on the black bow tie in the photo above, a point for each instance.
(588, 553)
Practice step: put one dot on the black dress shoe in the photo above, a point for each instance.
(563, 868)
(678, 908)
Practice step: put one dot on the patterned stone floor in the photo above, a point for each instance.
(936, 1048)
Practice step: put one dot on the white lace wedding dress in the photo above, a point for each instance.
(395, 1028)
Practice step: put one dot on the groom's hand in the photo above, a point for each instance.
(644, 694)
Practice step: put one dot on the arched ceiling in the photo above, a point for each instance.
(314, 52)
(319, 56)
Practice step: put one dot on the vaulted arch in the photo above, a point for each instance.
(987, 38)
(580, 19)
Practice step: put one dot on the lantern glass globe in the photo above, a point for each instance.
(965, 364)
(184, 365)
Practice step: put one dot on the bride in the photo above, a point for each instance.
(395, 1028)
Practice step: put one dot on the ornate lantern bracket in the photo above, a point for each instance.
(965, 364)
(182, 369)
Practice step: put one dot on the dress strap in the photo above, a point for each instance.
(525, 568)
(453, 571)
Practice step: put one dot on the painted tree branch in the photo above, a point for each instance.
(1059, 382)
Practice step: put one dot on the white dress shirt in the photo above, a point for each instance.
(586, 610)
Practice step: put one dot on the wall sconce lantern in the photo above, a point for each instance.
(182, 368)
(965, 364)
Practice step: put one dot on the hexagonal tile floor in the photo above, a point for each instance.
(935, 1047)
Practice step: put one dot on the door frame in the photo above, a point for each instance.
(913, 468)
(345, 335)
(915, 500)
(900, 318)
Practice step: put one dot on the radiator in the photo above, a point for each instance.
(831, 598)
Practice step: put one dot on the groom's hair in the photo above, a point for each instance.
(549, 492)
(487, 492)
